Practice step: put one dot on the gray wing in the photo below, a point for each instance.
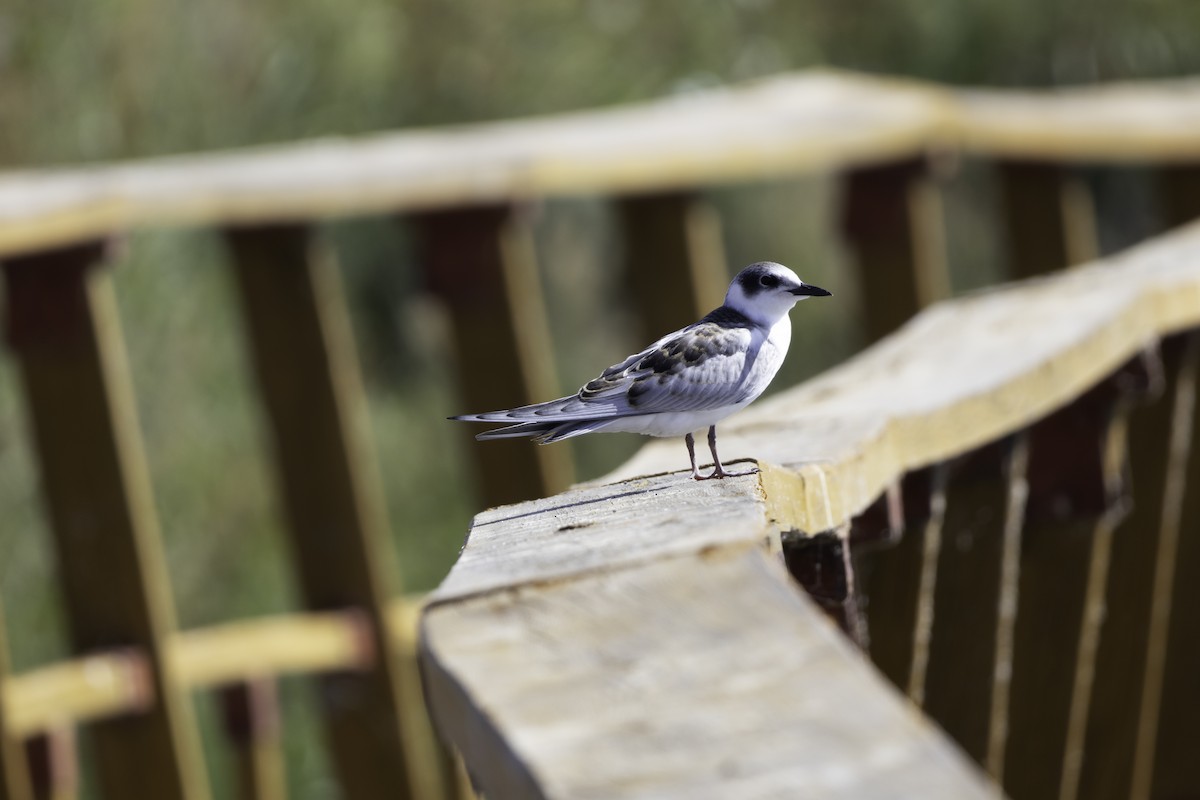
(699, 367)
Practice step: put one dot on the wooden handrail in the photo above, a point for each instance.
(113, 683)
(636, 633)
(959, 375)
(820, 120)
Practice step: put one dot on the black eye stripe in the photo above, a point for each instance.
(769, 280)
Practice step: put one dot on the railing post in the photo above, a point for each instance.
(14, 772)
(54, 764)
(250, 713)
(1048, 215)
(307, 370)
(892, 221)
(966, 682)
(899, 584)
(675, 263)
(1078, 494)
(481, 263)
(63, 324)
(1122, 716)
(1169, 768)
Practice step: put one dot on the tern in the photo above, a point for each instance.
(686, 381)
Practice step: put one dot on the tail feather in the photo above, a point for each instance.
(545, 432)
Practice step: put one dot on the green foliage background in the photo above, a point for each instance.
(111, 79)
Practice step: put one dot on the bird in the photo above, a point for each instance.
(686, 381)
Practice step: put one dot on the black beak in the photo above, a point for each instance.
(809, 289)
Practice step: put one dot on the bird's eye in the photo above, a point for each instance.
(770, 281)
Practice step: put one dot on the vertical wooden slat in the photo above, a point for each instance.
(54, 764)
(675, 264)
(1077, 497)
(966, 681)
(1173, 773)
(307, 370)
(892, 221)
(822, 564)
(899, 585)
(14, 773)
(250, 713)
(1122, 717)
(1049, 218)
(63, 323)
(481, 263)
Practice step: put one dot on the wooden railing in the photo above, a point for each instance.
(957, 499)
(596, 647)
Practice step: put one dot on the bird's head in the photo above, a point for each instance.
(765, 292)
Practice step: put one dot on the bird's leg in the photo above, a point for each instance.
(718, 470)
(690, 441)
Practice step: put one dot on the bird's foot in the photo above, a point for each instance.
(721, 472)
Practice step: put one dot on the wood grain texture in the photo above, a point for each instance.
(678, 678)
(814, 121)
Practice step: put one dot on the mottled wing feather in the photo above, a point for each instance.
(699, 367)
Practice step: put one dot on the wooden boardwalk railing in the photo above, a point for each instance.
(1012, 453)
(641, 636)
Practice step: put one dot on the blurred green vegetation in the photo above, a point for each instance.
(111, 79)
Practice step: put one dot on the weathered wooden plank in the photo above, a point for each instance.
(899, 585)
(101, 685)
(678, 677)
(250, 717)
(481, 263)
(974, 603)
(1128, 122)
(238, 652)
(1048, 217)
(1078, 494)
(892, 221)
(307, 370)
(674, 261)
(1123, 712)
(809, 121)
(63, 324)
(14, 773)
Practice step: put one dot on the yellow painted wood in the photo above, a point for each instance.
(14, 773)
(64, 327)
(308, 373)
(813, 121)
(237, 652)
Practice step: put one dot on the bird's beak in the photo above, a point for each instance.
(807, 289)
